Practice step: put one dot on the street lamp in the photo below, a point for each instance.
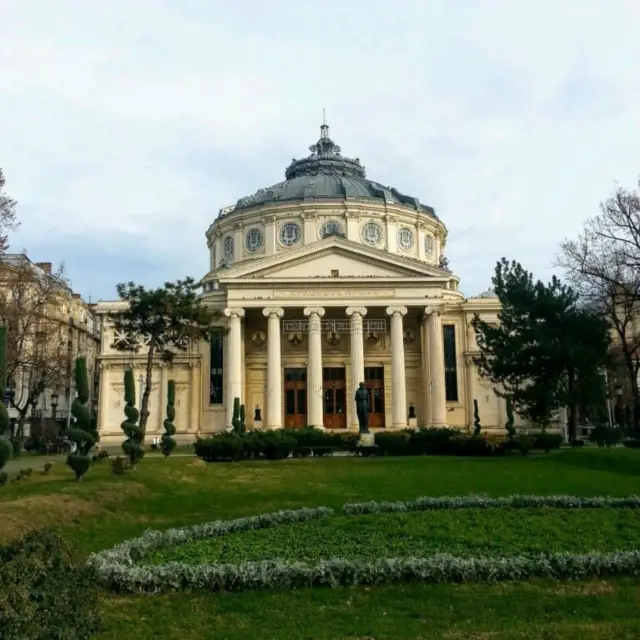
(54, 405)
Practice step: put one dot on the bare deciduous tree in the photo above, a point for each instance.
(603, 267)
(33, 303)
(8, 219)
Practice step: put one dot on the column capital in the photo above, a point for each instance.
(393, 310)
(433, 310)
(273, 311)
(319, 311)
(235, 311)
(353, 310)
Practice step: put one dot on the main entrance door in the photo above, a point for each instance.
(334, 397)
(374, 381)
(295, 398)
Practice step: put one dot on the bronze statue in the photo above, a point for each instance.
(362, 408)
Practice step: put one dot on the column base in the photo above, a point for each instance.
(399, 425)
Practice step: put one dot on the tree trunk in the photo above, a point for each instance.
(144, 405)
(572, 423)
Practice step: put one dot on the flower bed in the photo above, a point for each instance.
(121, 568)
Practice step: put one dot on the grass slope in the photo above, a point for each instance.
(106, 510)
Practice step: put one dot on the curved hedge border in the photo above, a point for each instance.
(486, 502)
(116, 569)
(338, 572)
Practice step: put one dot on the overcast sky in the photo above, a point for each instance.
(126, 125)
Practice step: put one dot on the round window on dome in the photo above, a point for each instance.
(290, 234)
(405, 238)
(227, 247)
(330, 228)
(253, 240)
(371, 234)
(428, 245)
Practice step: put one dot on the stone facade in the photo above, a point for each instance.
(313, 294)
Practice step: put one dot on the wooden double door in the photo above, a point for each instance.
(334, 397)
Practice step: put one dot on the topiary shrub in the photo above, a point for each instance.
(132, 446)
(80, 432)
(47, 468)
(511, 430)
(45, 592)
(277, 444)
(4, 478)
(6, 448)
(477, 427)
(394, 444)
(631, 444)
(432, 440)
(237, 421)
(524, 443)
(168, 444)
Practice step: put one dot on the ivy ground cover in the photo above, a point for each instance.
(466, 533)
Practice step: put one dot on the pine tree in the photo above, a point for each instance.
(546, 348)
(132, 446)
(168, 443)
(80, 432)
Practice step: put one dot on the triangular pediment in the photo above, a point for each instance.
(324, 259)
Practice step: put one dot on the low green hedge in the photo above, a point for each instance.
(281, 443)
(631, 444)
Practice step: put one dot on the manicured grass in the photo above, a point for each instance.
(105, 510)
(492, 532)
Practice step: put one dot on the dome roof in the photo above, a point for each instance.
(326, 174)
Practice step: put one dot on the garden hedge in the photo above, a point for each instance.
(281, 443)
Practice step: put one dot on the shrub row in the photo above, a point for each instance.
(337, 572)
(273, 444)
(281, 443)
(486, 502)
(631, 444)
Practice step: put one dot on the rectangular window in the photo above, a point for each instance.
(216, 373)
(450, 364)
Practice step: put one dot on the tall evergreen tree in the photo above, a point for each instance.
(160, 322)
(546, 350)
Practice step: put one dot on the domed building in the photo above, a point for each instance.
(320, 282)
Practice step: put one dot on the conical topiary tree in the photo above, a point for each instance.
(168, 443)
(80, 432)
(6, 448)
(477, 427)
(237, 421)
(132, 446)
(511, 430)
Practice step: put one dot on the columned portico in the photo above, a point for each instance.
(357, 356)
(437, 395)
(398, 380)
(274, 367)
(234, 359)
(314, 367)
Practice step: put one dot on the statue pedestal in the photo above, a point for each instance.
(257, 424)
(367, 440)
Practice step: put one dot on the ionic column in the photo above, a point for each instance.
(314, 370)
(274, 368)
(436, 367)
(398, 381)
(471, 389)
(426, 383)
(357, 356)
(234, 359)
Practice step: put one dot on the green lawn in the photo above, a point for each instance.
(108, 509)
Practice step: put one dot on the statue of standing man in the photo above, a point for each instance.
(362, 408)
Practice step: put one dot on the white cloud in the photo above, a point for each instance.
(512, 120)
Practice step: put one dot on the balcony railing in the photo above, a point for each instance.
(334, 326)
